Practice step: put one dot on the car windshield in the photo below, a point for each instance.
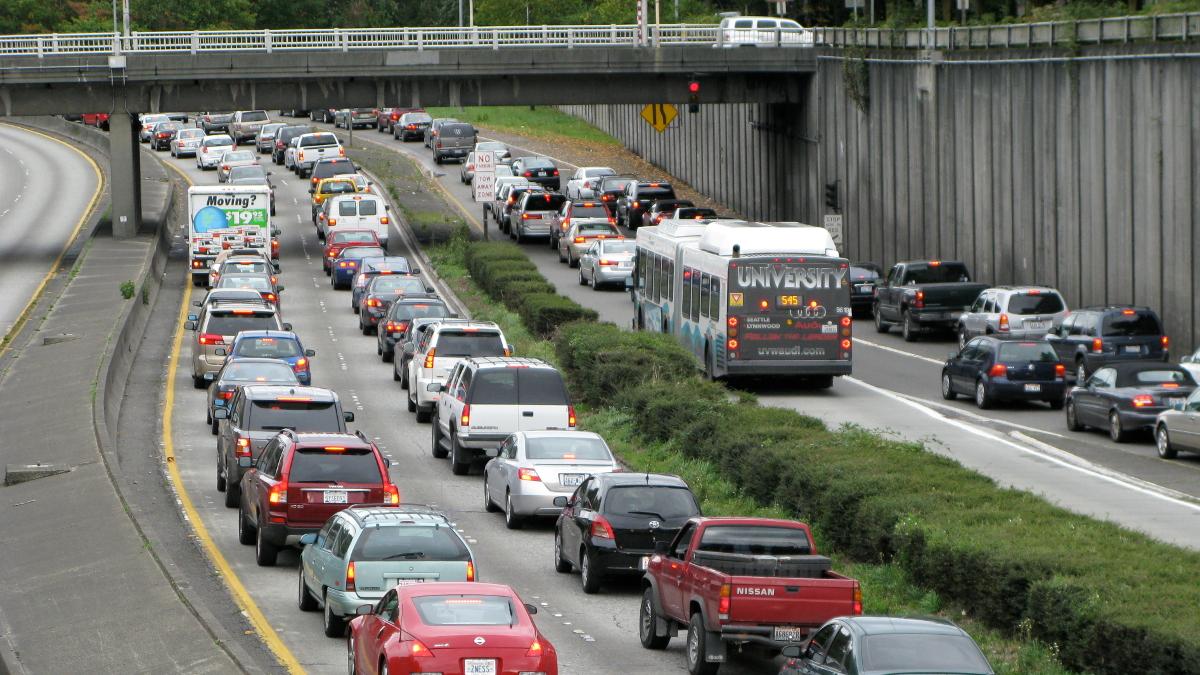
(1133, 324)
(1035, 303)
(408, 310)
(460, 343)
(274, 373)
(755, 540)
(1158, 376)
(238, 156)
(362, 251)
(232, 324)
(921, 653)
(611, 247)
(318, 416)
(583, 448)
(594, 211)
(318, 139)
(267, 347)
(321, 465)
(391, 283)
(545, 201)
(409, 542)
(1028, 351)
(354, 237)
(257, 283)
(465, 610)
(941, 273)
(254, 116)
(665, 501)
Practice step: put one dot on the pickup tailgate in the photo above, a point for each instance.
(951, 296)
(790, 602)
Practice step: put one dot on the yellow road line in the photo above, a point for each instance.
(87, 213)
(257, 619)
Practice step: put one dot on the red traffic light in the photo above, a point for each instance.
(694, 87)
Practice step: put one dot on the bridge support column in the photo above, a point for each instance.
(125, 174)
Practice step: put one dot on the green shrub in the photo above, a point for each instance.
(543, 313)
(513, 292)
(601, 359)
(127, 289)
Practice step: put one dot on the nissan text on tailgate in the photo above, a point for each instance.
(739, 581)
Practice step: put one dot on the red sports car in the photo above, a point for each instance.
(454, 628)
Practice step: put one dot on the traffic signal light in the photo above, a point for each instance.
(693, 96)
(831, 195)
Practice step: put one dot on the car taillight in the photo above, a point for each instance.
(1097, 345)
(465, 418)
(243, 447)
(565, 223)
(723, 603)
(225, 395)
(341, 152)
(601, 529)
(439, 144)
(857, 599)
(384, 220)
(300, 155)
(605, 262)
(1165, 341)
(556, 172)
(571, 416)
(278, 493)
(1143, 400)
(470, 570)
(528, 474)
(429, 358)
(535, 650)
(301, 364)
(211, 339)
(269, 297)
(344, 264)
(279, 144)
(580, 240)
(530, 216)
(637, 205)
(919, 301)
(332, 222)
(528, 174)
(374, 302)
(1060, 371)
(274, 244)
(1003, 323)
(412, 126)
(204, 150)
(998, 370)
(224, 167)
(350, 577)
(391, 494)
(418, 649)
(731, 344)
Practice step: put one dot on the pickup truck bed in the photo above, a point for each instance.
(924, 296)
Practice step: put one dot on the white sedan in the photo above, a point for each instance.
(186, 142)
(582, 184)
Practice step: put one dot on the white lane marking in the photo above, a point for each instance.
(18, 197)
(283, 182)
(1183, 496)
(975, 416)
(1079, 464)
(886, 348)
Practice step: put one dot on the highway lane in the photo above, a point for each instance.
(593, 634)
(894, 390)
(48, 187)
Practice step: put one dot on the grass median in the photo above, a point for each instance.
(534, 122)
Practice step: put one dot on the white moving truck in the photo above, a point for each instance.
(222, 217)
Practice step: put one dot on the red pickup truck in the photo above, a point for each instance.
(740, 581)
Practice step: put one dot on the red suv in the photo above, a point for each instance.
(300, 480)
(337, 240)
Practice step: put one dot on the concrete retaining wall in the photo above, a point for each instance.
(1078, 174)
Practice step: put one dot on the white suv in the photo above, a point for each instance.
(486, 399)
(440, 349)
(1028, 312)
(762, 31)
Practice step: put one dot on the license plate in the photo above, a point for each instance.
(1035, 325)
(1131, 349)
(393, 583)
(543, 173)
(625, 265)
(788, 634)
(335, 497)
(570, 479)
(863, 288)
(479, 666)
(644, 562)
(1033, 388)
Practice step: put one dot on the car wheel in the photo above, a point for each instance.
(880, 326)
(422, 415)
(215, 426)
(439, 452)
(457, 466)
(582, 281)
(1115, 430)
(561, 564)
(351, 666)
(488, 504)
(1055, 404)
(198, 382)
(1072, 417)
(983, 400)
(511, 520)
(233, 492)
(1163, 441)
(387, 355)
(697, 639)
(265, 553)
(947, 390)
(647, 623)
(220, 479)
(246, 531)
(562, 258)
(571, 261)
(335, 626)
(907, 328)
(305, 601)
(589, 576)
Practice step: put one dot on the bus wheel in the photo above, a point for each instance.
(709, 366)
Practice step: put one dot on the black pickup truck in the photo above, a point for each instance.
(924, 295)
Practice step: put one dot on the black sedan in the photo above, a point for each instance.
(864, 276)
(162, 134)
(879, 645)
(540, 170)
(611, 524)
(1127, 397)
(993, 369)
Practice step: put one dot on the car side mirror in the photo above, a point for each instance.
(221, 351)
(387, 462)
(221, 414)
(195, 303)
(246, 462)
(275, 266)
(1186, 359)
(363, 610)
(387, 207)
(209, 377)
(193, 317)
(270, 173)
(435, 387)
(308, 539)
(429, 289)
(287, 327)
(792, 651)
(453, 315)
(532, 609)
(348, 416)
(415, 270)
(560, 502)
(310, 352)
(280, 288)
(190, 325)
(492, 452)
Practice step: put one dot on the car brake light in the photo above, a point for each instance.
(211, 339)
(350, 577)
(391, 494)
(528, 474)
(429, 357)
(723, 603)
(528, 174)
(580, 240)
(269, 297)
(857, 598)
(465, 419)
(601, 529)
(604, 262)
(341, 152)
(1143, 400)
(439, 144)
(935, 263)
(571, 416)
(1060, 371)
(1097, 345)
(556, 172)
(637, 205)
(374, 302)
(301, 364)
(998, 370)
(731, 344)
(470, 570)
(243, 447)
(1128, 312)
(1003, 323)
(1165, 341)
(535, 650)
(384, 220)
(278, 493)
(919, 302)
(224, 167)
(279, 144)
(225, 395)
(418, 648)
(566, 223)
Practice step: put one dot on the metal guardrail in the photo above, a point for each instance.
(1164, 27)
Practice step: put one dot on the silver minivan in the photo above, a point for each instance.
(1019, 311)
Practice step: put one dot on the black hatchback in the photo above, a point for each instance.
(610, 525)
(992, 369)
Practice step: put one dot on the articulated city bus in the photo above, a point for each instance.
(747, 298)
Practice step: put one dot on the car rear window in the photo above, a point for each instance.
(333, 167)
(240, 172)
(409, 542)
(664, 501)
(610, 247)
(457, 130)
(318, 465)
(566, 448)
(597, 228)
(419, 119)
(863, 274)
(368, 207)
(346, 208)
(254, 267)
(1035, 303)
(648, 193)
(337, 187)
(541, 386)
(1028, 351)
(596, 211)
(470, 343)
(537, 163)
(465, 610)
(755, 540)
(407, 310)
(254, 116)
(362, 251)
(615, 184)
(388, 283)
(232, 324)
(922, 653)
(1156, 377)
(255, 282)
(318, 139)
(1131, 325)
(259, 372)
(239, 156)
(268, 348)
(353, 237)
(268, 415)
(936, 274)
(545, 201)
(696, 212)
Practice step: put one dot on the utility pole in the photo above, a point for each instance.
(460, 13)
(657, 23)
(125, 17)
(929, 22)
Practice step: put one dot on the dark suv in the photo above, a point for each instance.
(304, 478)
(284, 136)
(610, 525)
(639, 196)
(1096, 336)
(256, 414)
(400, 317)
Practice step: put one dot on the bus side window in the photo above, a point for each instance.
(714, 299)
(694, 291)
(705, 291)
(652, 279)
(641, 269)
(669, 278)
(685, 303)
